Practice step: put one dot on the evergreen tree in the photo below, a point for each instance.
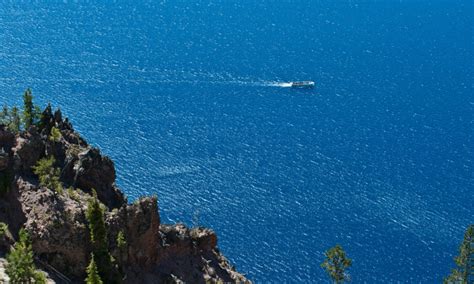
(92, 272)
(28, 108)
(98, 234)
(20, 266)
(95, 217)
(36, 114)
(121, 242)
(336, 263)
(14, 120)
(4, 115)
(464, 271)
(122, 247)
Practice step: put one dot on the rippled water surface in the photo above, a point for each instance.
(187, 100)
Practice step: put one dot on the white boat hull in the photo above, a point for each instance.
(302, 84)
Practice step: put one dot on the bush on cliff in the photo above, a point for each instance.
(47, 174)
(121, 241)
(3, 229)
(20, 266)
(55, 134)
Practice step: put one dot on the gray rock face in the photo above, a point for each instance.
(143, 223)
(94, 171)
(28, 150)
(57, 227)
(191, 256)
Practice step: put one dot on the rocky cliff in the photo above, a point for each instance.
(57, 222)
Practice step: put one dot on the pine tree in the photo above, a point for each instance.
(98, 234)
(92, 272)
(122, 247)
(95, 216)
(336, 263)
(4, 115)
(14, 120)
(464, 271)
(20, 266)
(28, 108)
(36, 114)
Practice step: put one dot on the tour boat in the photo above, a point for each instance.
(302, 84)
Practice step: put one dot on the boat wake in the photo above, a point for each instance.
(258, 83)
(199, 77)
(278, 84)
(170, 171)
(291, 84)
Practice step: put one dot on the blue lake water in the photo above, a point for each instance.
(184, 97)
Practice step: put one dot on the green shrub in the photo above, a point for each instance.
(55, 135)
(121, 241)
(3, 229)
(73, 193)
(15, 121)
(40, 277)
(48, 175)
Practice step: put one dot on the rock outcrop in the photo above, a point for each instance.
(57, 223)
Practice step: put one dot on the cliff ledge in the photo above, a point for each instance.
(57, 223)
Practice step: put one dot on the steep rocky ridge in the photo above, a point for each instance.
(57, 223)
